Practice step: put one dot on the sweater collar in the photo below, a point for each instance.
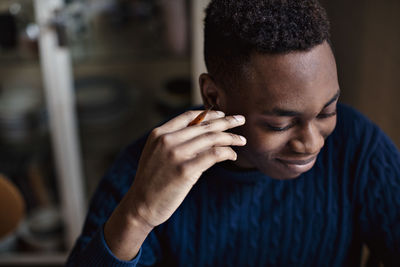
(226, 171)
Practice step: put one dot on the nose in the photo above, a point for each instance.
(308, 140)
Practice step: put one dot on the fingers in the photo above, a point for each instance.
(207, 126)
(207, 140)
(193, 168)
(184, 119)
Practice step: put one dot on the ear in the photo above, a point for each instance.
(211, 93)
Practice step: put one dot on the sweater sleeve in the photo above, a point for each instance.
(91, 249)
(380, 202)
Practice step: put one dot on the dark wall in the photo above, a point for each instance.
(366, 38)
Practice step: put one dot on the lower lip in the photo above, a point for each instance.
(297, 168)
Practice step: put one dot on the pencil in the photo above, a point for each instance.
(200, 117)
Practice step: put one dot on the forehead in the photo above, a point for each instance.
(296, 79)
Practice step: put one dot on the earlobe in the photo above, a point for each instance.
(210, 92)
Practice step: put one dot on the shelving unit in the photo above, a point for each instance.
(52, 71)
(78, 167)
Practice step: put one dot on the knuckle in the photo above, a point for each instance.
(156, 132)
(173, 154)
(182, 170)
(210, 135)
(233, 136)
(206, 124)
(223, 153)
(165, 140)
(216, 152)
(229, 119)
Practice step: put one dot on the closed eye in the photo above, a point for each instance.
(280, 129)
(326, 115)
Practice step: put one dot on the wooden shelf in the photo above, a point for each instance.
(33, 259)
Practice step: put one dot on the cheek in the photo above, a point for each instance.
(267, 142)
(328, 128)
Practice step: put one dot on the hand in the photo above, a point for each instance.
(172, 160)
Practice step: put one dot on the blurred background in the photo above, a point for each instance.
(80, 79)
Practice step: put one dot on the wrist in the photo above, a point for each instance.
(135, 214)
(125, 234)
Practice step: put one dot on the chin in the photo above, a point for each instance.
(278, 173)
(286, 170)
(272, 167)
(288, 177)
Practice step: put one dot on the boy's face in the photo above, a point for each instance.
(289, 102)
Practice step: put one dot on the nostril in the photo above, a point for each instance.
(315, 145)
(311, 145)
(297, 146)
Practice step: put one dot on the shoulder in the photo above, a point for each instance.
(362, 148)
(353, 125)
(368, 165)
(355, 145)
(353, 129)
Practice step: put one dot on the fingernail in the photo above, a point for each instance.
(239, 118)
(235, 157)
(220, 113)
(242, 138)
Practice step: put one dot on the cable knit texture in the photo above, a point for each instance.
(350, 197)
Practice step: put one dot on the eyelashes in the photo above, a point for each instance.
(284, 128)
(279, 129)
(326, 115)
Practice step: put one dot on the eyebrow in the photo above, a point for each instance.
(292, 113)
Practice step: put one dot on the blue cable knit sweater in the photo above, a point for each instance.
(350, 197)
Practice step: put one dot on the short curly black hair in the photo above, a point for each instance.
(234, 29)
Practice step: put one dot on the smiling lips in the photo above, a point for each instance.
(298, 165)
